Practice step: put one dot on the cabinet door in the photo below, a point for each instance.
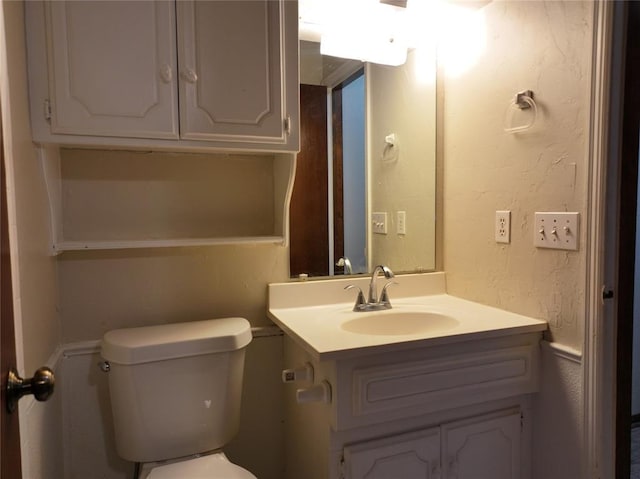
(487, 447)
(111, 68)
(413, 455)
(230, 56)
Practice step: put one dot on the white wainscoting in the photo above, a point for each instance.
(558, 428)
(70, 436)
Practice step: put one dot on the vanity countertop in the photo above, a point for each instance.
(315, 313)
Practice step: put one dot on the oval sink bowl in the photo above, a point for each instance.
(391, 323)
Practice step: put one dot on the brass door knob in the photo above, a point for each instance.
(40, 385)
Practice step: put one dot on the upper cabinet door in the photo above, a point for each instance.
(113, 68)
(232, 78)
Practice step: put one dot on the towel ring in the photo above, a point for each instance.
(522, 101)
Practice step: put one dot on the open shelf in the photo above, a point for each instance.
(115, 199)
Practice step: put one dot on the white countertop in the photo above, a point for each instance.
(313, 314)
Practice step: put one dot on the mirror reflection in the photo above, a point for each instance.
(364, 192)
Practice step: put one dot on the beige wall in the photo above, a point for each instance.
(403, 102)
(34, 277)
(545, 47)
(100, 291)
(120, 195)
(34, 271)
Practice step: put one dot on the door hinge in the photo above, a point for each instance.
(341, 467)
(607, 293)
(47, 110)
(287, 124)
(521, 421)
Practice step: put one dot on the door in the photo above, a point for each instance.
(10, 466)
(627, 281)
(411, 455)
(231, 70)
(486, 447)
(308, 211)
(112, 71)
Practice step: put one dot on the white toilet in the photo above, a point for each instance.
(175, 396)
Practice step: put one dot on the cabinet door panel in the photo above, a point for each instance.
(230, 58)
(414, 455)
(112, 67)
(487, 447)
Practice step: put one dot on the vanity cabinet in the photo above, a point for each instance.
(487, 446)
(460, 410)
(166, 75)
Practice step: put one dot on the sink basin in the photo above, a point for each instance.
(391, 323)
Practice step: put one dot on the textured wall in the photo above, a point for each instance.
(545, 47)
(34, 277)
(115, 195)
(106, 290)
(100, 291)
(33, 268)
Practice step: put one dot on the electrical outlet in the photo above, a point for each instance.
(503, 227)
(556, 230)
(401, 222)
(379, 223)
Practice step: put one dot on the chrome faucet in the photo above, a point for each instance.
(373, 289)
(346, 264)
(372, 303)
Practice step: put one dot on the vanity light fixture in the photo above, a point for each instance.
(366, 30)
(367, 48)
(377, 31)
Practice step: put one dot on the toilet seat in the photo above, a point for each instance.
(212, 466)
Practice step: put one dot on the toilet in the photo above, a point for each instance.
(175, 396)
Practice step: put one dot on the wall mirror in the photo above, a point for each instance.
(365, 188)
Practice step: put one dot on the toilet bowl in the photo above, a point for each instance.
(212, 466)
(175, 396)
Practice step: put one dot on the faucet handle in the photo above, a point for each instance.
(360, 302)
(384, 296)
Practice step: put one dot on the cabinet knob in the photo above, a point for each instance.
(166, 73)
(189, 75)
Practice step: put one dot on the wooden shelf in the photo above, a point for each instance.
(163, 243)
(108, 200)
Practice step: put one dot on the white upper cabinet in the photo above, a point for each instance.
(172, 75)
(230, 75)
(112, 68)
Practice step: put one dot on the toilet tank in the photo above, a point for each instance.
(175, 389)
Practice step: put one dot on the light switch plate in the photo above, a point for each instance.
(556, 230)
(379, 223)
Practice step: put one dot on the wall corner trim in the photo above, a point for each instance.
(562, 351)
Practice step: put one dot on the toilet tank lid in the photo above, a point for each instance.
(170, 341)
